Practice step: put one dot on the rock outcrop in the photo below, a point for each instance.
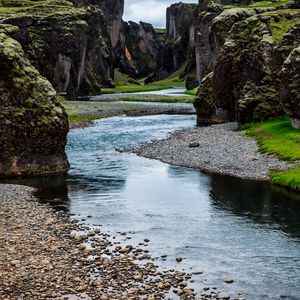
(69, 46)
(289, 75)
(33, 124)
(239, 71)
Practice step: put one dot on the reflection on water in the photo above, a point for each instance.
(224, 226)
(50, 189)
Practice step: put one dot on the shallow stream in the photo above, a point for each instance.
(222, 226)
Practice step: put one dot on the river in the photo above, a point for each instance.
(222, 226)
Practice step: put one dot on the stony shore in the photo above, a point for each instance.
(91, 110)
(46, 255)
(218, 149)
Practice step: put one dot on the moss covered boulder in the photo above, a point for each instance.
(33, 124)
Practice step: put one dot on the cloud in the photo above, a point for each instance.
(151, 11)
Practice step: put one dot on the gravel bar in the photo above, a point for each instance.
(218, 149)
(45, 254)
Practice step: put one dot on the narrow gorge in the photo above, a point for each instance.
(149, 159)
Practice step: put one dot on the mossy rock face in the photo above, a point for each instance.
(244, 84)
(69, 45)
(142, 49)
(33, 124)
(207, 112)
(290, 86)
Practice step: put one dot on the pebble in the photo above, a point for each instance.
(47, 256)
(219, 149)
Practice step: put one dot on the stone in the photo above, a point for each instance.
(194, 145)
(228, 280)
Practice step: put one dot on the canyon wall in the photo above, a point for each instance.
(68, 45)
(174, 52)
(142, 49)
(246, 63)
(33, 124)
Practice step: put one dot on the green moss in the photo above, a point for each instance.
(264, 3)
(282, 26)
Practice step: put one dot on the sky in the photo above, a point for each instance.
(150, 11)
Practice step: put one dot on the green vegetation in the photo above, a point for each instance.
(283, 21)
(42, 7)
(169, 82)
(264, 3)
(268, 3)
(290, 178)
(166, 99)
(125, 84)
(160, 30)
(278, 137)
(79, 115)
(132, 88)
(192, 92)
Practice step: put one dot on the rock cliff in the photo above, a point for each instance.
(33, 124)
(142, 47)
(68, 45)
(240, 54)
(174, 51)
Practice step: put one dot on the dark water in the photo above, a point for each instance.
(225, 227)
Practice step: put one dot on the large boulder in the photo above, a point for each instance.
(33, 124)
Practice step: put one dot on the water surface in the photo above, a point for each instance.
(223, 226)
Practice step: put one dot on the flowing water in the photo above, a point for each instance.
(222, 226)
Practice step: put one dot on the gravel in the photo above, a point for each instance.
(218, 149)
(46, 255)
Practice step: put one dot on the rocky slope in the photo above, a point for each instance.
(33, 124)
(242, 56)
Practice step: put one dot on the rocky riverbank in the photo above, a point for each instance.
(45, 255)
(81, 113)
(218, 149)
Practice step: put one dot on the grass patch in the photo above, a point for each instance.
(289, 179)
(132, 89)
(160, 99)
(264, 3)
(169, 82)
(278, 137)
(192, 92)
(160, 30)
(268, 3)
(81, 120)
